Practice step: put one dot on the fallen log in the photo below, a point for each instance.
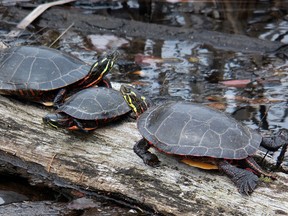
(104, 161)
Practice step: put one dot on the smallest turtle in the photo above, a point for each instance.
(200, 135)
(89, 109)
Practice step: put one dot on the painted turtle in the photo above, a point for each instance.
(88, 109)
(43, 75)
(197, 132)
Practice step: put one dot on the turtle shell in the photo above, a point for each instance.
(38, 68)
(185, 128)
(95, 104)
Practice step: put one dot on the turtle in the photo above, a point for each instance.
(200, 135)
(88, 109)
(44, 75)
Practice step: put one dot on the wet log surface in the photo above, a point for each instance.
(105, 162)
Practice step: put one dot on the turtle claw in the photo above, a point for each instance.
(245, 181)
(151, 160)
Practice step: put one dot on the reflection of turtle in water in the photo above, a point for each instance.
(43, 75)
(198, 132)
(89, 109)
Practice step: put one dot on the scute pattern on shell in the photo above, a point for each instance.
(38, 68)
(95, 104)
(185, 128)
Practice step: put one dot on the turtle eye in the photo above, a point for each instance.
(51, 120)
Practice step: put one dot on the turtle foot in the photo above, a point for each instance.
(141, 149)
(246, 181)
(151, 160)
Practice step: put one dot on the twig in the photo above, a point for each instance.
(34, 14)
(50, 163)
(264, 116)
(61, 35)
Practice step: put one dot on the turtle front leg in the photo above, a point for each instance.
(141, 149)
(58, 100)
(277, 141)
(274, 143)
(245, 180)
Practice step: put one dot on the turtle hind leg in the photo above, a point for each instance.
(245, 180)
(252, 164)
(141, 149)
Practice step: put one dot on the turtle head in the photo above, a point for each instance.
(101, 67)
(55, 120)
(137, 102)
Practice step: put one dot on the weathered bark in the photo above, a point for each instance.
(104, 161)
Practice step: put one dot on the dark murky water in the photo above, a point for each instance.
(9, 183)
(183, 70)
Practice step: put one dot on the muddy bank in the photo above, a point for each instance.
(59, 18)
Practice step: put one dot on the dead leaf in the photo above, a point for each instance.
(236, 83)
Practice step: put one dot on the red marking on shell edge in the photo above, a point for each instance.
(32, 92)
(21, 92)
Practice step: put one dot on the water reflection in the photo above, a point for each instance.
(262, 19)
(176, 70)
